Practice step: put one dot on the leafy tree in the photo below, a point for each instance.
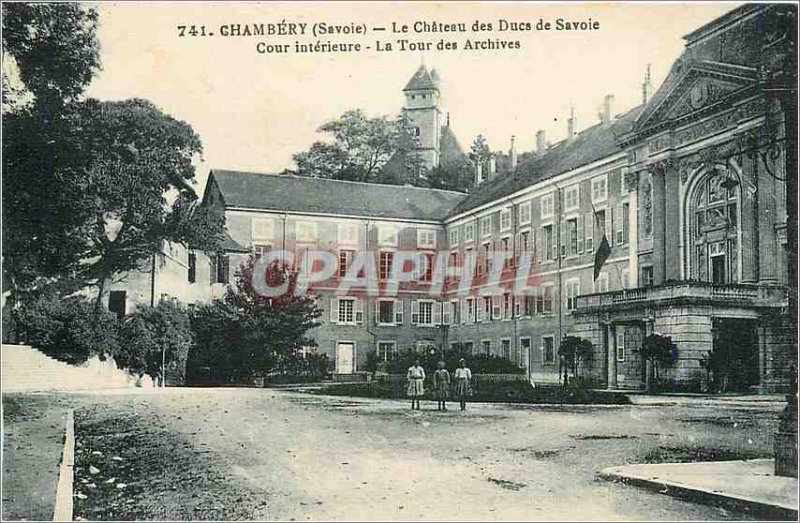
(245, 334)
(457, 175)
(659, 351)
(153, 333)
(358, 149)
(100, 195)
(55, 49)
(479, 150)
(574, 351)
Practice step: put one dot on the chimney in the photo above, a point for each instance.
(647, 87)
(492, 166)
(541, 143)
(605, 111)
(571, 123)
(478, 172)
(513, 153)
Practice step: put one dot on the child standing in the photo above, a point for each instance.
(416, 381)
(441, 385)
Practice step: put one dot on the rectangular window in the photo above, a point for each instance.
(548, 246)
(426, 238)
(505, 219)
(571, 198)
(505, 347)
(573, 290)
(385, 309)
(486, 252)
(486, 226)
(524, 241)
(487, 307)
(469, 348)
(192, 269)
(220, 267)
(386, 350)
(622, 225)
(505, 247)
(546, 206)
(647, 276)
(572, 236)
(387, 235)
(599, 189)
(530, 305)
(623, 185)
(260, 249)
(487, 347)
(385, 265)
(347, 311)
(306, 232)
(447, 313)
(425, 313)
(453, 237)
(116, 303)
(547, 299)
(469, 232)
(497, 308)
(525, 213)
(398, 312)
(262, 229)
(470, 311)
(347, 233)
(621, 345)
(548, 350)
(345, 259)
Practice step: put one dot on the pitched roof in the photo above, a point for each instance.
(421, 80)
(230, 245)
(586, 147)
(317, 195)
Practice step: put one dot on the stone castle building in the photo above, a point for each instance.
(689, 189)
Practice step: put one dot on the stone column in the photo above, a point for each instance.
(659, 240)
(749, 226)
(672, 230)
(611, 354)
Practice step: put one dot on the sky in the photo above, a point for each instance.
(254, 111)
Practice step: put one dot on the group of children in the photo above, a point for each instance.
(441, 384)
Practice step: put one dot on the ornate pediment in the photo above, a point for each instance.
(693, 88)
(702, 93)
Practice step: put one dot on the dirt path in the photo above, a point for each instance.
(264, 454)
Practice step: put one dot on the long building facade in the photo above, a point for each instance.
(688, 189)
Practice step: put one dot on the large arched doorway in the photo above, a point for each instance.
(713, 216)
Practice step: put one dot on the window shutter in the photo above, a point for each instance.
(436, 313)
(398, 312)
(212, 269)
(497, 310)
(589, 232)
(610, 225)
(478, 310)
(415, 312)
(334, 310)
(358, 308)
(620, 219)
(447, 313)
(579, 234)
(377, 313)
(554, 247)
(517, 306)
(562, 237)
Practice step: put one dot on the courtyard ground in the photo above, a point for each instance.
(266, 454)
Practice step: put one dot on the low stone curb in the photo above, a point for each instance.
(64, 503)
(698, 494)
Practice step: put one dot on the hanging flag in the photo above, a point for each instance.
(603, 249)
(600, 257)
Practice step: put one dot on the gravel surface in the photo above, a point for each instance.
(266, 454)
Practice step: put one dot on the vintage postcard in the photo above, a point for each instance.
(424, 261)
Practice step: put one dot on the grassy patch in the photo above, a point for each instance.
(129, 466)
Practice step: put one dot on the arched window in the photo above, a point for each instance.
(714, 228)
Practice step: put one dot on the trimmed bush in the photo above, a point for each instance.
(70, 329)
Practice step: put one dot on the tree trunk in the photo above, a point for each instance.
(98, 303)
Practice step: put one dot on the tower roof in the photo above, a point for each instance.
(421, 80)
